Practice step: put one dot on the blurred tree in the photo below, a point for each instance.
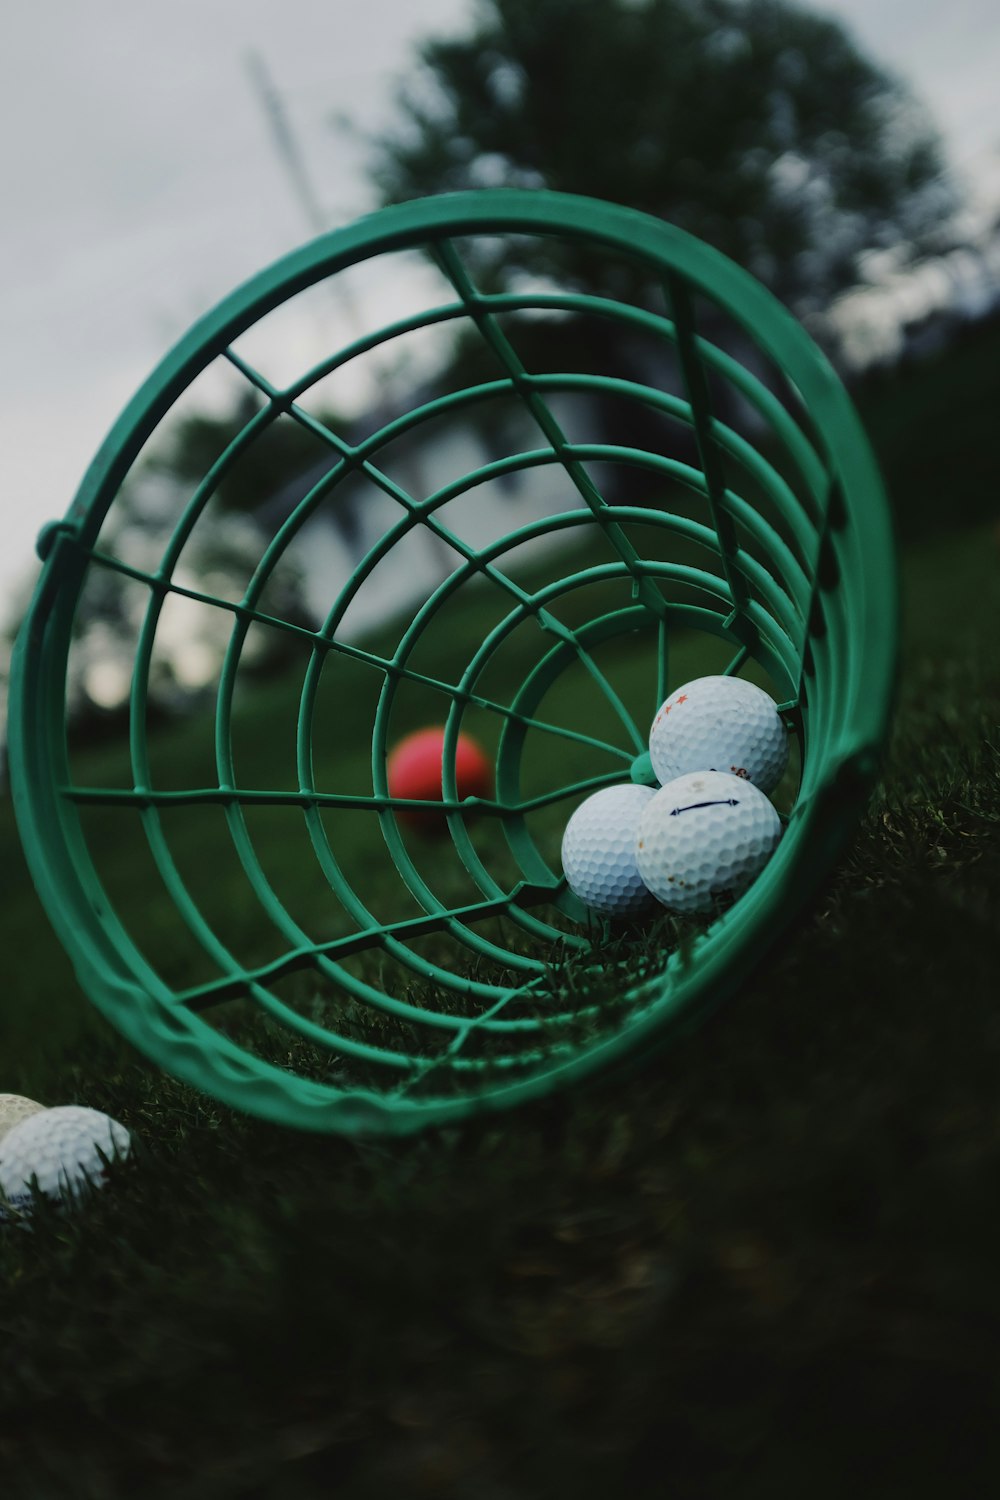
(272, 473)
(754, 124)
(218, 560)
(280, 452)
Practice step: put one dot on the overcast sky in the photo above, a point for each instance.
(140, 184)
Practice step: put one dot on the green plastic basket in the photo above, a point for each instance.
(280, 937)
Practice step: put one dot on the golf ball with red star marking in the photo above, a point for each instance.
(720, 724)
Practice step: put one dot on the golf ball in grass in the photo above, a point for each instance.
(413, 771)
(61, 1149)
(13, 1109)
(702, 836)
(720, 724)
(599, 851)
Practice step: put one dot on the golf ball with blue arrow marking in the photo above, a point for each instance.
(702, 837)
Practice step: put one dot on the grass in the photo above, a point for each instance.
(764, 1265)
(932, 428)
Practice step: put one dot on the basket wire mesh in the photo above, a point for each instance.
(404, 981)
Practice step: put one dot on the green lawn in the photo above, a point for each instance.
(765, 1266)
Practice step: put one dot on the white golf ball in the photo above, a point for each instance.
(61, 1149)
(13, 1109)
(704, 835)
(598, 851)
(720, 724)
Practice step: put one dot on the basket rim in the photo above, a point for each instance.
(96, 942)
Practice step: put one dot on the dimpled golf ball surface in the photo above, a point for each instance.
(719, 724)
(598, 851)
(703, 836)
(61, 1148)
(13, 1109)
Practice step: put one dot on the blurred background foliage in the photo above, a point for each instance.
(754, 124)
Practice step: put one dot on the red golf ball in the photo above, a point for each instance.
(414, 771)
